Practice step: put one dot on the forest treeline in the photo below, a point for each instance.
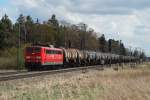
(59, 34)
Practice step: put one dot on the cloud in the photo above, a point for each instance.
(110, 6)
(125, 20)
(106, 7)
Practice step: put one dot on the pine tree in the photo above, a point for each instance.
(5, 31)
(122, 49)
(21, 19)
(110, 45)
(6, 23)
(21, 24)
(53, 21)
(29, 20)
(136, 53)
(102, 43)
(29, 26)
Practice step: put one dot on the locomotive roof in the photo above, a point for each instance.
(45, 47)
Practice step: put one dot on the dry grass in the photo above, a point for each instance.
(127, 84)
(9, 60)
(8, 63)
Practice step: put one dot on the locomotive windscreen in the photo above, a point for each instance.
(33, 49)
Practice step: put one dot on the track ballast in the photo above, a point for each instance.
(25, 74)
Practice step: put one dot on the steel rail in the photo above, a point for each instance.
(40, 73)
(11, 72)
(22, 75)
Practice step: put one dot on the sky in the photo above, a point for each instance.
(126, 20)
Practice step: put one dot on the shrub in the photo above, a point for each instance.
(12, 58)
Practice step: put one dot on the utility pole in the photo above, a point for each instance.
(84, 35)
(65, 37)
(110, 49)
(19, 44)
(130, 53)
(83, 46)
(120, 52)
(25, 31)
(130, 47)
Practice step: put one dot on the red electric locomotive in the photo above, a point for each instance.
(37, 56)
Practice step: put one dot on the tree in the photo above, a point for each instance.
(6, 23)
(37, 21)
(29, 26)
(68, 35)
(21, 19)
(53, 21)
(5, 32)
(142, 55)
(122, 49)
(21, 27)
(2, 38)
(82, 27)
(136, 53)
(110, 45)
(115, 46)
(29, 20)
(102, 43)
(91, 41)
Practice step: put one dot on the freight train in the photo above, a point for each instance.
(40, 57)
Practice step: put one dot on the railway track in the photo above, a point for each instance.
(24, 74)
(11, 72)
(21, 75)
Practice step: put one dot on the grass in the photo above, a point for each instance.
(8, 63)
(9, 58)
(127, 84)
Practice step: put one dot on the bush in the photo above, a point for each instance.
(12, 58)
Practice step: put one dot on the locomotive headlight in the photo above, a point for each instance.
(28, 57)
(38, 57)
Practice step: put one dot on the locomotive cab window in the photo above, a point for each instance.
(33, 50)
(37, 50)
(29, 50)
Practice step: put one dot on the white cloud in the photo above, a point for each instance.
(120, 19)
(27, 3)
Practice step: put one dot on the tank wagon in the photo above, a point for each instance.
(37, 57)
